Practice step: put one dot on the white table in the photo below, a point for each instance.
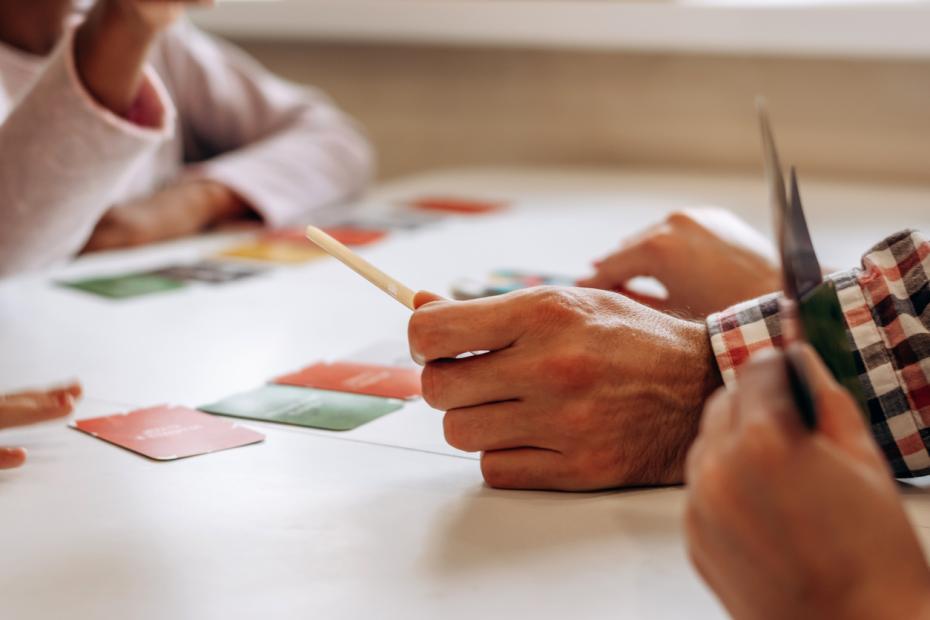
(382, 522)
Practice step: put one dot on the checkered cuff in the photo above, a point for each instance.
(887, 309)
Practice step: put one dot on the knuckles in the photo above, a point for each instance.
(432, 383)
(455, 429)
(553, 305)
(422, 331)
(495, 476)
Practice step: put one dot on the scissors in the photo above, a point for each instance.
(810, 309)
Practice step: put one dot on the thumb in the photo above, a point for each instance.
(424, 297)
(839, 417)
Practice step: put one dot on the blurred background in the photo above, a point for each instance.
(613, 83)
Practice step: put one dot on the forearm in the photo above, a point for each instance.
(884, 306)
(286, 150)
(62, 157)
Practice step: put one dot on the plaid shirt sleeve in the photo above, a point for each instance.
(886, 304)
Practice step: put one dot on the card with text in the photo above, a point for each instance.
(283, 252)
(209, 272)
(346, 235)
(374, 380)
(125, 286)
(286, 404)
(167, 433)
(458, 205)
(384, 353)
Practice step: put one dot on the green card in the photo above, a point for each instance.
(126, 286)
(335, 411)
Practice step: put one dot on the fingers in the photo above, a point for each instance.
(717, 424)
(73, 389)
(12, 457)
(637, 258)
(446, 329)
(106, 237)
(20, 410)
(476, 380)
(424, 297)
(839, 417)
(763, 397)
(525, 468)
(498, 426)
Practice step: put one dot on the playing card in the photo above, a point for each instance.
(390, 219)
(208, 271)
(275, 252)
(386, 381)
(504, 281)
(301, 406)
(166, 433)
(394, 353)
(125, 286)
(345, 235)
(458, 206)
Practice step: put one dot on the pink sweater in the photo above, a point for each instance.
(64, 159)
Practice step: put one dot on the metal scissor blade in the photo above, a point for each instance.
(799, 259)
(773, 172)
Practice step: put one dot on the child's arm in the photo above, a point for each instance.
(85, 124)
(285, 150)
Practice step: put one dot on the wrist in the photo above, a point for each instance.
(217, 202)
(690, 371)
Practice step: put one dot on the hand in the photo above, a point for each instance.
(150, 15)
(112, 44)
(29, 408)
(787, 523)
(580, 389)
(707, 260)
(178, 210)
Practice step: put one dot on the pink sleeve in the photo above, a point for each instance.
(63, 158)
(285, 149)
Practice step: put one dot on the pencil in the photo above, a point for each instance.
(362, 267)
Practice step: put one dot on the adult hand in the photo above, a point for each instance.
(25, 408)
(707, 260)
(185, 208)
(112, 44)
(580, 389)
(787, 523)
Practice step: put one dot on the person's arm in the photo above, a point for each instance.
(285, 150)
(788, 522)
(885, 305)
(71, 141)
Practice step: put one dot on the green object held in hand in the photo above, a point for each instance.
(824, 326)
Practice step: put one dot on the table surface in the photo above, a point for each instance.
(386, 520)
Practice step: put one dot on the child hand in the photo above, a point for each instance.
(182, 209)
(32, 407)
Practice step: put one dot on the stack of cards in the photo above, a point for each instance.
(169, 278)
(337, 396)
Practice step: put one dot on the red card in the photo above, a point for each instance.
(386, 381)
(166, 433)
(345, 235)
(461, 206)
